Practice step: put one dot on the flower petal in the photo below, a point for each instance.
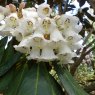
(23, 47)
(75, 46)
(12, 20)
(44, 10)
(71, 36)
(47, 54)
(56, 36)
(27, 26)
(34, 53)
(17, 34)
(37, 36)
(64, 49)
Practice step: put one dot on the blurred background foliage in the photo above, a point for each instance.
(83, 70)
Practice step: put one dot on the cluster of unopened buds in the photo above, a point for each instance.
(41, 37)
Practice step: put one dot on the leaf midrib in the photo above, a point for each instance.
(37, 79)
(20, 80)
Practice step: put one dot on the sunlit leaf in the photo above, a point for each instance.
(8, 59)
(68, 82)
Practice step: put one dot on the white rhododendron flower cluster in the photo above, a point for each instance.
(41, 37)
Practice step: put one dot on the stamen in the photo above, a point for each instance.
(19, 13)
(70, 38)
(58, 21)
(30, 23)
(67, 20)
(47, 36)
(67, 23)
(46, 24)
(46, 10)
(13, 22)
(12, 18)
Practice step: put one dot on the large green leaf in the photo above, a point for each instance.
(8, 53)
(36, 81)
(2, 49)
(39, 82)
(5, 80)
(7, 65)
(3, 42)
(19, 75)
(7, 57)
(68, 82)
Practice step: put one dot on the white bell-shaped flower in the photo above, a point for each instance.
(69, 20)
(44, 10)
(56, 36)
(30, 12)
(65, 59)
(24, 46)
(59, 21)
(5, 31)
(64, 49)
(66, 22)
(27, 26)
(65, 54)
(47, 24)
(35, 42)
(75, 46)
(17, 34)
(78, 28)
(34, 53)
(12, 20)
(47, 53)
(37, 36)
(71, 36)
